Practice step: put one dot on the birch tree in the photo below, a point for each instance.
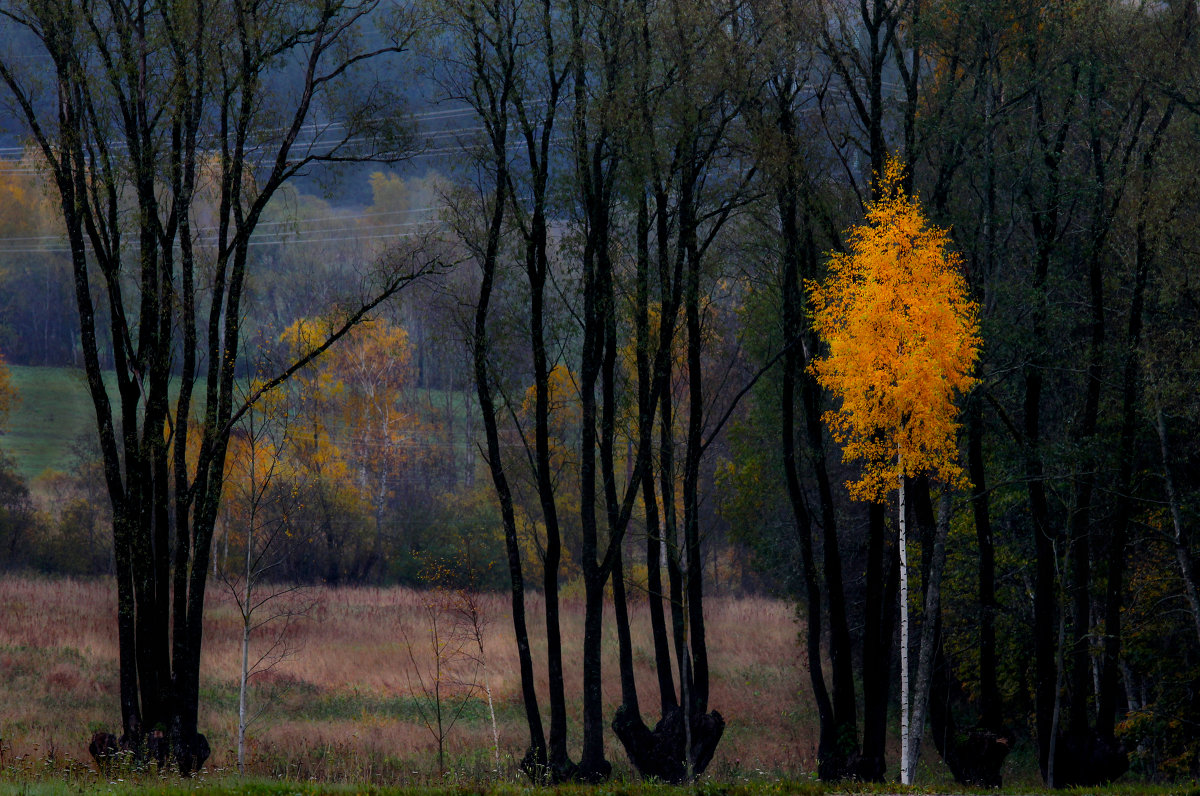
(259, 501)
(903, 338)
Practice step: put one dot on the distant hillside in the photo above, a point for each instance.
(53, 414)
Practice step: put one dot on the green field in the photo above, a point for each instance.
(70, 783)
(231, 785)
(53, 415)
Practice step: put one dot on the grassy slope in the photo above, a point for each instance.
(54, 413)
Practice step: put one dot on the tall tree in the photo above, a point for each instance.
(903, 340)
(505, 50)
(685, 133)
(153, 104)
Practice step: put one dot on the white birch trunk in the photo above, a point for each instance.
(933, 593)
(495, 731)
(1051, 775)
(905, 730)
(1182, 552)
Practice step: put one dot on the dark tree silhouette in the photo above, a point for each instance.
(156, 108)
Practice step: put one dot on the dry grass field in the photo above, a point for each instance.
(343, 706)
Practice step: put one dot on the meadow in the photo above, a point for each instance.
(53, 415)
(342, 708)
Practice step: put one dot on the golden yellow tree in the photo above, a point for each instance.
(903, 338)
(375, 366)
(364, 433)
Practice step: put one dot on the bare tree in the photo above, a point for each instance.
(264, 500)
(442, 693)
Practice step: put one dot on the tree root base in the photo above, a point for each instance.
(659, 753)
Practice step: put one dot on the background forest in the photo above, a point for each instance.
(514, 296)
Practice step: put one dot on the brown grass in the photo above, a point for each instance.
(342, 703)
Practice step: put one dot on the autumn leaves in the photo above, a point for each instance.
(903, 338)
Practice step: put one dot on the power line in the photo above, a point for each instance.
(4, 248)
(66, 250)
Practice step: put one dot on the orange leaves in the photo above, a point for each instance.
(565, 407)
(903, 336)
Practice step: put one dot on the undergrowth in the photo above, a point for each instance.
(54, 775)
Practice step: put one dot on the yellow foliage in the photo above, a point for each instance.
(14, 200)
(350, 422)
(903, 337)
(388, 192)
(563, 400)
(565, 410)
(8, 393)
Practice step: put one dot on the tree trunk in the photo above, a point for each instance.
(535, 762)
(933, 561)
(243, 680)
(832, 763)
(1183, 547)
(1109, 689)
(593, 766)
(883, 595)
(989, 690)
(905, 691)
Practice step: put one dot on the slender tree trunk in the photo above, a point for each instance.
(655, 539)
(537, 261)
(881, 609)
(905, 692)
(930, 624)
(1183, 547)
(593, 766)
(691, 471)
(1044, 207)
(831, 765)
(989, 689)
(534, 763)
(1052, 774)
(1108, 692)
(624, 639)
(243, 681)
